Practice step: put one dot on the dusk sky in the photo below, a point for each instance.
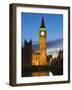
(31, 25)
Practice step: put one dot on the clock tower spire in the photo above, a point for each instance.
(40, 58)
(43, 59)
(42, 23)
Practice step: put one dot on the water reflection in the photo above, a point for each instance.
(41, 73)
(35, 71)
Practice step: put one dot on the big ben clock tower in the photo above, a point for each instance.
(43, 60)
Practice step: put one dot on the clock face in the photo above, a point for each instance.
(42, 33)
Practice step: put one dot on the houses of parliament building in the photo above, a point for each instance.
(35, 61)
(40, 57)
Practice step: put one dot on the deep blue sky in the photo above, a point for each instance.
(31, 25)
